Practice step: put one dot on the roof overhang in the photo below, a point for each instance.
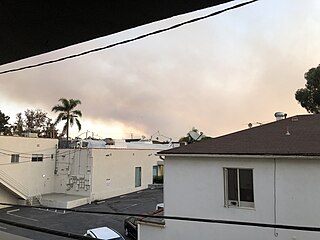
(30, 28)
(240, 156)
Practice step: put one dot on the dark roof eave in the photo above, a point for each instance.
(240, 154)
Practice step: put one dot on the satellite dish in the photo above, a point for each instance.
(194, 135)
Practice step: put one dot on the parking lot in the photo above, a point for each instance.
(141, 202)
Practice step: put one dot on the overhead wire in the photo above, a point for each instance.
(75, 236)
(29, 156)
(44, 230)
(128, 40)
(45, 149)
(178, 218)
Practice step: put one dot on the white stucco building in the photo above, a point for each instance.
(26, 167)
(34, 170)
(266, 174)
(100, 173)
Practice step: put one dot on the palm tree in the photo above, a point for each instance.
(68, 113)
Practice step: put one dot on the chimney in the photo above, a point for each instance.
(280, 115)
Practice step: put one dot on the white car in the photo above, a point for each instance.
(104, 233)
(159, 206)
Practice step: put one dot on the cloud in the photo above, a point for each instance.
(217, 75)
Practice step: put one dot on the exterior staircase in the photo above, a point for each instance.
(34, 201)
(13, 185)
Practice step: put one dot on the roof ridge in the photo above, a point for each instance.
(295, 135)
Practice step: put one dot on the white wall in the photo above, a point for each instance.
(195, 188)
(7, 197)
(107, 172)
(94, 173)
(73, 172)
(113, 171)
(36, 177)
(152, 231)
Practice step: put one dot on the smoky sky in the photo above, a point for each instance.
(216, 75)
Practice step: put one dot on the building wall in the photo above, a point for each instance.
(152, 231)
(73, 172)
(36, 177)
(195, 188)
(102, 173)
(94, 173)
(6, 197)
(113, 171)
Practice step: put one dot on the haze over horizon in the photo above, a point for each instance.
(217, 75)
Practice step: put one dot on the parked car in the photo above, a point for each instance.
(104, 233)
(131, 227)
(159, 206)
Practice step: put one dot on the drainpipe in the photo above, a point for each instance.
(56, 161)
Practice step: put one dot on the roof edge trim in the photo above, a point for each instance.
(241, 156)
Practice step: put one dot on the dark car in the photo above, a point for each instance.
(131, 227)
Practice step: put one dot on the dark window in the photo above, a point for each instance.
(232, 184)
(239, 187)
(155, 173)
(15, 158)
(37, 158)
(246, 185)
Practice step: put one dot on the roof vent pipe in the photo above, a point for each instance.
(280, 115)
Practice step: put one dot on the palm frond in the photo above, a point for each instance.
(58, 108)
(71, 120)
(74, 103)
(77, 113)
(65, 102)
(65, 127)
(60, 117)
(78, 124)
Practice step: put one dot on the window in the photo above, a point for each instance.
(138, 177)
(37, 158)
(154, 174)
(14, 158)
(155, 170)
(238, 187)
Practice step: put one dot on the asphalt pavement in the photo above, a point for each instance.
(9, 236)
(141, 202)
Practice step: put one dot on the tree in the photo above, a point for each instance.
(4, 125)
(34, 121)
(49, 130)
(68, 113)
(18, 127)
(309, 97)
(193, 136)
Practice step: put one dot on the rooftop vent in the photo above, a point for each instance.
(280, 115)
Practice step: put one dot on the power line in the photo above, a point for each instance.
(68, 152)
(128, 40)
(189, 219)
(10, 151)
(44, 230)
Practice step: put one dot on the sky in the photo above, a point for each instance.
(217, 75)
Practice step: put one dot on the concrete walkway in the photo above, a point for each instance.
(61, 200)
